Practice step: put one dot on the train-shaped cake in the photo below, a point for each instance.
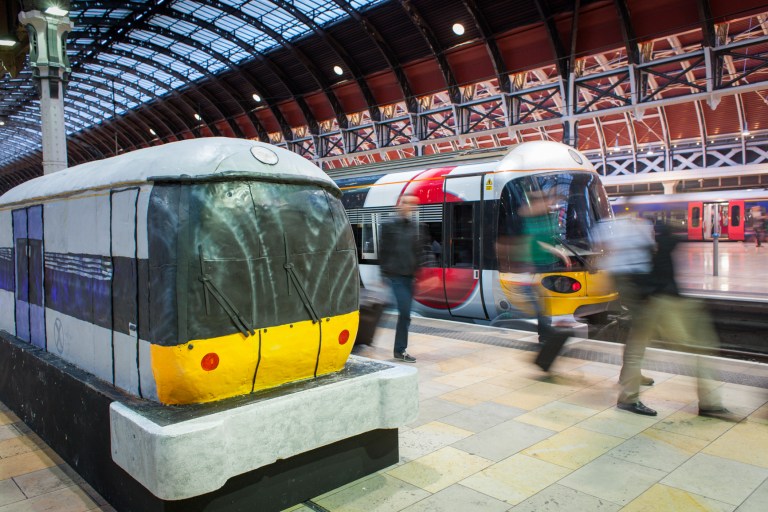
(184, 273)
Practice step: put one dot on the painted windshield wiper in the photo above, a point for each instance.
(239, 321)
(293, 278)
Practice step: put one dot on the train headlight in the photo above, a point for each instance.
(561, 284)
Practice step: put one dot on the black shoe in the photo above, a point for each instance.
(405, 357)
(720, 413)
(646, 381)
(637, 408)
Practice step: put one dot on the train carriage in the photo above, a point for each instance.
(731, 215)
(183, 273)
(469, 202)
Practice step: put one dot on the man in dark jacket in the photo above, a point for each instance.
(399, 256)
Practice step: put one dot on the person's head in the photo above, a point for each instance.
(407, 205)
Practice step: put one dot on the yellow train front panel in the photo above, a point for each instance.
(594, 288)
(215, 368)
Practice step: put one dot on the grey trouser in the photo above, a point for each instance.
(674, 319)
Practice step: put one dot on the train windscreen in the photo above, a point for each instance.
(576, 202)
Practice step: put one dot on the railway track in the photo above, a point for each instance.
(741, 325)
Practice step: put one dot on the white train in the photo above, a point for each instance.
(183, 273)
(469, 202)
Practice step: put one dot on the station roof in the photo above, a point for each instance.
(331, 79)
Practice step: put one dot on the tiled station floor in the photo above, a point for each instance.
(493, 435)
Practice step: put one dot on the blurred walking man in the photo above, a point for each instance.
(400, 253)
(628, 242)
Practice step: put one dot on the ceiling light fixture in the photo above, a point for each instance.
(55, 10)
(338, 70)
(7, 42)
(256, 97)
(458, 29)
(152, 131)
(197, 116)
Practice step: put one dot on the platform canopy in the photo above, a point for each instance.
(345, 82)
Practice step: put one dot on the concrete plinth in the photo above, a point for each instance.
(266, 451)
(195, 456)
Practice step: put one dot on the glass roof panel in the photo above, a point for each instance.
(236, 23)
(362, 5)
(167, 54)
(320, 12)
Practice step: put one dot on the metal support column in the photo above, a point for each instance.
(48, 59)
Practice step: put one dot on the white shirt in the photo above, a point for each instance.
(628, 243)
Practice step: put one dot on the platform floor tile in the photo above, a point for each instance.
(516, 478)
(558, 498)
(440, 469)
(379, 493)
(458, 497)
(717, 478)
(573, 447)
(661, 498)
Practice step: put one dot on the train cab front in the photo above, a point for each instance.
(545, 227)
(263, 280)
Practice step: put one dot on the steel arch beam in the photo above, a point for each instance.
(707, 23)
(221, 58)
(561, 60)
(115, 119)
(305, 61)
(149, 45)
(147, 92)
(340, 52)
(209, 100)
(341, 118)
(435, 47)
(499, 66)
(386, 51)
(255, 83)
(627, 32)
(103, 87)
(137, 131)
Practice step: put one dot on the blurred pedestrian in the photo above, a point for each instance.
(538, 228)
(758, 224)
(676, 319)
(400, 255)
(628, 244)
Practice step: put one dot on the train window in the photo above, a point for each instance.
(578, 202)
(736, 215)
(695, 216)
(511, 248)
(22, 269)
(35, 272)
(368, 237)
(461, 236)
(435, 242)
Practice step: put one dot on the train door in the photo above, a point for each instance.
(462, 248)
(695, 228)
(714, 220)
(30, 294)
(125, 310)
(736, 220)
